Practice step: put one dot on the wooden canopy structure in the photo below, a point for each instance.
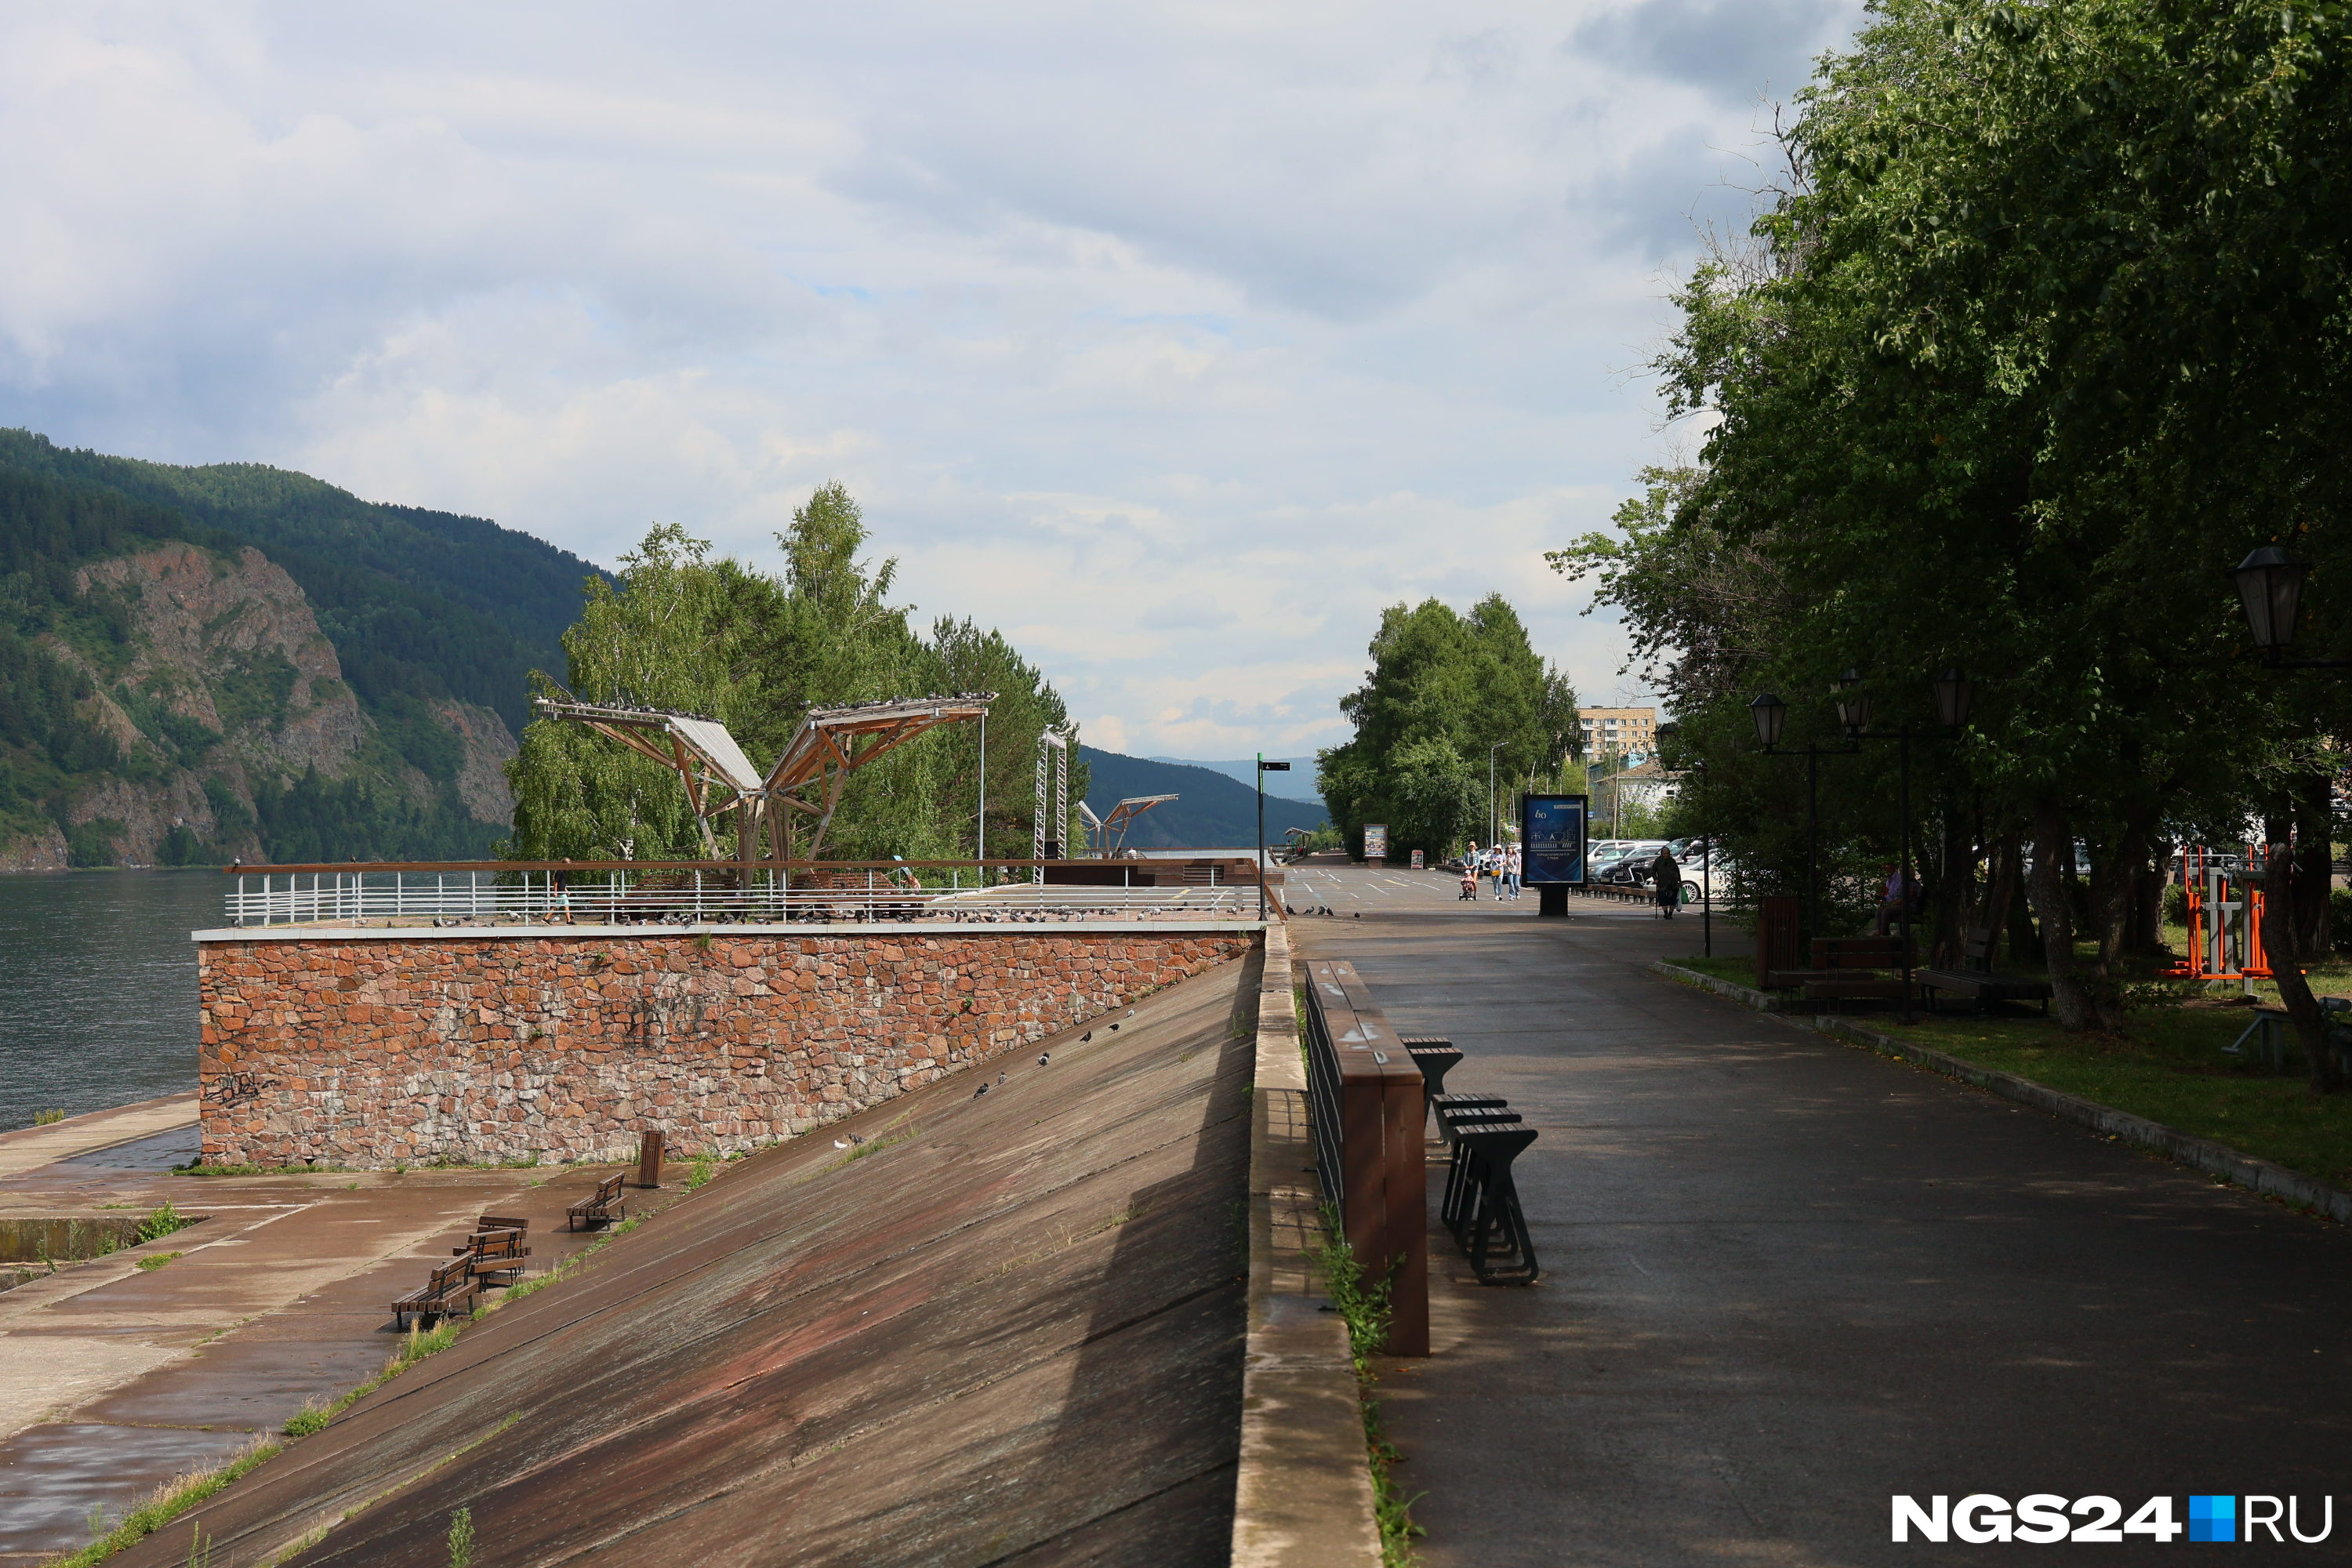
(1112, 830)
(833, 742)
(808, 779)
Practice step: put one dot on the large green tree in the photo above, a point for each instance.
(683, 630)
(2045, 334)
(1444, 691)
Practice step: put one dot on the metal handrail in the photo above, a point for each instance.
(395, 897)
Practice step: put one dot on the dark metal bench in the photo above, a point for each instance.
(451, 1291)
(1975, 981)
(606, 1207)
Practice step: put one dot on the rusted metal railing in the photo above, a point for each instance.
(1364, 1090)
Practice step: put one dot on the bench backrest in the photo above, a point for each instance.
(1975, 948)
(500, 1222)
(609, 1188)
(1857, 952)
(496, 1243)
(452, 1275)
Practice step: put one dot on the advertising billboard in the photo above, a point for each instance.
(1551, 838)
(1376, 841)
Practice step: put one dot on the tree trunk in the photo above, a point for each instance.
(2024, 937)
(2054, 854)
(2280, 942)
(1955, 889)
(2314, 864)
(2000, 890)
(2148, 903)
(2115, 874)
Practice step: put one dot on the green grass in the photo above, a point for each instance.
(2168, 1067)
(160, 1258)
(1364, 1308)
(1740, 970)
(170, 1500)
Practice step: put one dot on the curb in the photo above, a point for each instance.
(1303, 1498)
(2219, 1160)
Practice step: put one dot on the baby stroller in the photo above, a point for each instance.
(1469, 884)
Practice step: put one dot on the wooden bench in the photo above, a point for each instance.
(502, 1221)
(498, 1253)
(1846, 968)
(451, 1291)
(606, 1207)
(1975, 981)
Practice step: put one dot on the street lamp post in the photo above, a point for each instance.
(2270, 588)
(1954, 692)
(1264, 768)
(1768, 712)
(1493, 819)
(1667, 733)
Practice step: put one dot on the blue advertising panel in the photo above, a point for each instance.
(1551, 836)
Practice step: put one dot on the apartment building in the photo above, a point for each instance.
(1614, 732)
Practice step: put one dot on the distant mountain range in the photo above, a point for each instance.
(1214, 810)
(1299, 784)
(198, 663)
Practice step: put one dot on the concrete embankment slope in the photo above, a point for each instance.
(1010, 1330)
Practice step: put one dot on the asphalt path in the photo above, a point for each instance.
(1785, 1279)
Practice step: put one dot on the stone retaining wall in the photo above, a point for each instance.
(482, 1048)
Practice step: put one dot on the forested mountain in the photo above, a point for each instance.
(1213, 811)
(202, 663)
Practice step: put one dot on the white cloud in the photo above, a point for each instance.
(1176, 342)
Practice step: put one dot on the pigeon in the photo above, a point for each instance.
(1130, 1012)
(1085, 1038)
(999, 1077)
(1114, 1029)
(1048, 1057)
(841, 1142)
(980, 1090)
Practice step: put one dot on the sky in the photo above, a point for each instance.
(1177, 341)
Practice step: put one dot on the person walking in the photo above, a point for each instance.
(1469, 877)
(1666, 882)
(1511, 869)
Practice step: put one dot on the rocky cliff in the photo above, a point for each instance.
(221, 697)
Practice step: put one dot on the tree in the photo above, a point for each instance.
(685, 631)
(1443, 690)
(2038, 341)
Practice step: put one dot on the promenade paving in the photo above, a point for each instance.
(1786, 1278)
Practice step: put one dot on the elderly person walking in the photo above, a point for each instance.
(1666, 882)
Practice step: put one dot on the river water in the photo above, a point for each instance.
(97, 987)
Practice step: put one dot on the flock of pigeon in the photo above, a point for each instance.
(1325, 910)
(1044, 1058)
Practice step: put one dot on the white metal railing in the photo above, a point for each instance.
(596, 897)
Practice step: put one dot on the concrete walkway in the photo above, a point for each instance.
(114, 1379)
(1785, 1279)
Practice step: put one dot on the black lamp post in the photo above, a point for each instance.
(1768, 712)
(1264, 768)
(2270, 588)
(1954, 693)
(1667, 734)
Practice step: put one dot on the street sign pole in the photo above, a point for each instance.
(1264, 768)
